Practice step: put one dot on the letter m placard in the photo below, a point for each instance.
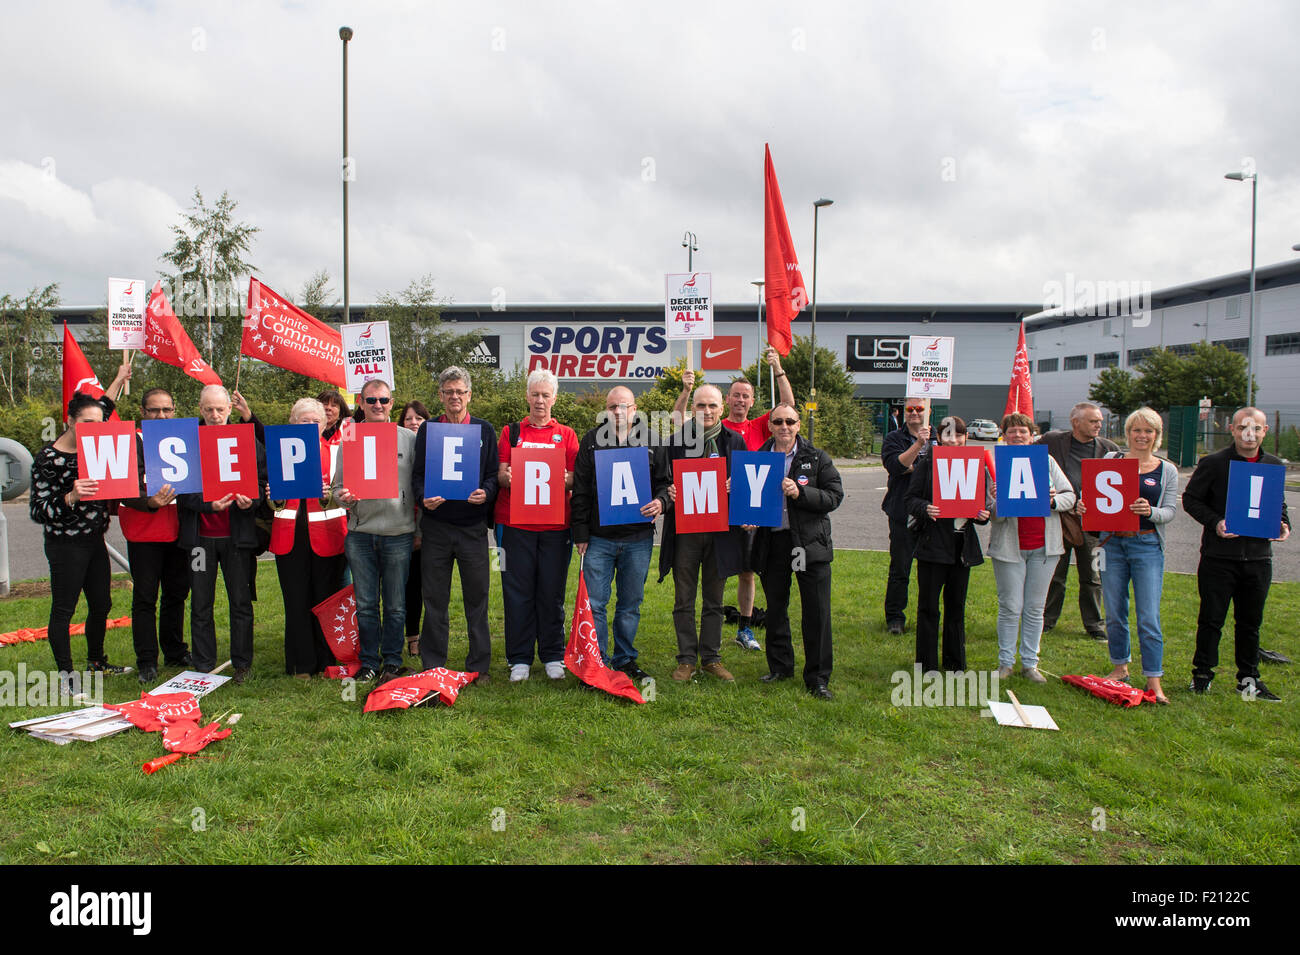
(701, 505)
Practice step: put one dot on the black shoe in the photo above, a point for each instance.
(634, 672)
(148, 674)
(184, 662)
(1098, 635)
(103, 666)
(242, 674)
(391, 672)
(1255, 689)
(365, 675)
(896, 628)
(1272, 656)
(776, 677)
(1201, 684)
(1048, 627)
(481, 680)
(821, 691)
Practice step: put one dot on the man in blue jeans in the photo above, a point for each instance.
(621, 550)
(381, 534)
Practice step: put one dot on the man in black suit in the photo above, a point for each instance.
(1070, 449)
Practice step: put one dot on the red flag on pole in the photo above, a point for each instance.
(281, 334)
(1020, 396)
(404, 692)
(783, 289)
(77, 374)
(338, 621)
(582, 654)
(165, 340)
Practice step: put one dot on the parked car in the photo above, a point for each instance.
(983, 429)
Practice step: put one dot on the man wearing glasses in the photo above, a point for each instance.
(810, 490)
(455, 532)
(150, 525)
(898, 454)
(381, 533)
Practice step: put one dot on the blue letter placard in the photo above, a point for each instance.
(1254, 499)
(171, 455)
(451, 460)
(1024, 484)
(755, 497)
(293, 461)
(623, 485)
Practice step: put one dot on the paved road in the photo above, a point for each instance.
(858, 524)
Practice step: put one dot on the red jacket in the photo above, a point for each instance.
(326, 529)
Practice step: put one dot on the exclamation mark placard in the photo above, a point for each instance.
(1256, 492)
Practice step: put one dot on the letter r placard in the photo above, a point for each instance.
(537, 494)
(228, 458)
(1108, 487)
(701, 505)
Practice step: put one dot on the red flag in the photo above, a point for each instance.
(77, 374)
(153, 711)
(783, 288)
(281, 334)
(582, 654)
(1020, 396)
(187, 736)
(338, 621)
(1112, 691)
(404, 692)
(165, 340)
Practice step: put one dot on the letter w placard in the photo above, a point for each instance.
(958, 481)
(107, 455)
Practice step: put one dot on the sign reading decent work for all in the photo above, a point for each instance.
(127, 299)
(1109, 486)
(366, 354)
(451, 460)
(537, 493)
(106, 453)
(755, 496)
(1254, 507)
(1024, 482)
(957, 481)
(622, 485)
(701, 505)
(688, 305)
(293, 461)
(370, 460)
(930, 367)
(228, 458)
(171, 455)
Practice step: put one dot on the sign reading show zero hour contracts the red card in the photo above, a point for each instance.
(370, 460)
(1109, 486)
(228, 459)
(106, 453)
(957, 481)
(537, 494)
(701, 505)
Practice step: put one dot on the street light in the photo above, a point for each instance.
(691, 244)
(1250, 327)
(345, 34)
(812, 371)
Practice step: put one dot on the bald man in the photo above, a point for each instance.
(611, 550)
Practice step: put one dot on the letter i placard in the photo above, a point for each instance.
(370, 461)
(1109, 486)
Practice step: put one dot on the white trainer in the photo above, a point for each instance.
(519, 672)
(555, 670)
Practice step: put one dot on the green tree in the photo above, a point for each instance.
(1161, 380)
(1215, 372)
(1115, 389)
(29, 355)
(833, 379)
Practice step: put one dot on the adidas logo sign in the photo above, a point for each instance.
(481, 355)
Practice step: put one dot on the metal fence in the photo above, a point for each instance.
(1211, 431)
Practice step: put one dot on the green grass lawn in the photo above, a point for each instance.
(706, 772)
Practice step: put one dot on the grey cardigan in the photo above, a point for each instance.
(1004, 532)
(1164, 511)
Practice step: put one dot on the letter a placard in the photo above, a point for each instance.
(1024, 488)
(1109, 486)
(228, 457)
(370, 460)
(701, 505)
(537, 494)
(107, 455)
(622, 485)
(957, 481)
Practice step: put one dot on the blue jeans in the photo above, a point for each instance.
(1140, 560)
(379, 565)
(630, 560)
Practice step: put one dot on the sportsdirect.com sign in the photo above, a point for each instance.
(597, 352)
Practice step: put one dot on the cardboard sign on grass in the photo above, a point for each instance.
(957, 481)
(1254, 507)
(622, 485)
(1024, 490)
(701, 505)
(1109, 486)
(451, 460)
(171, 454)
(228, 457)
(106, 453)
(370, 460)
(537, 493)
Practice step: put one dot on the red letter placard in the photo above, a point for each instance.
(701, 505)
(1110, 485)
(370, 460)
(957, 481)
(228, 457)
(107, 455)
(537, 494)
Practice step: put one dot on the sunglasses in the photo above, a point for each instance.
(787, 422)
(915, 409)
(372, 400)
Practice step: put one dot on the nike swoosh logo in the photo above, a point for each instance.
(714, 354)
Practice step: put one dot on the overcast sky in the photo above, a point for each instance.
(558, 151)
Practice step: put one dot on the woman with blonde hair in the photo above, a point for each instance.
(1139, 556)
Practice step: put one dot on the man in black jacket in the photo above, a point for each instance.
(810, 490)
(610, 550)
(1233, 569)
(898, 453)
(1070, 448)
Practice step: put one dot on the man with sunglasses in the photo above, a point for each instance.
(151, 525)
(810, 490)
(381, 533)
(898, 454)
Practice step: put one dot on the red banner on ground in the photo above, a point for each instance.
(337, 614)
(582, 653)
(406, 691)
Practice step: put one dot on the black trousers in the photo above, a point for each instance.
(1244, 584)
(215, 553)
(306, 578)
(467, 547)
(815, 608)
(77, 564)
(158, 565)
(534, 576)
(949, 581)
(695, 567)
(902, 545)
(1090, 607)
(414, 594)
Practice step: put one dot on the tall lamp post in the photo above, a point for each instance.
(345, 34)
(1250, 326)
(691, 243)
(758, 361)
(812, 371)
